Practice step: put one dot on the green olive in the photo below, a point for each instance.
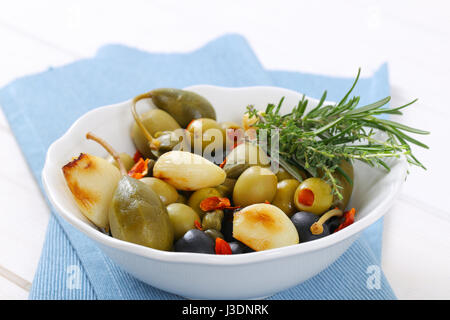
(154, 120)
(182, 218)
(242, 157)
(214, 234)
(167, 193)
(284, 198)
(137, 215)
(212, 220)
(184, 106)
(126, 159)
(282, 174)
(255, 185)
(313, 195)
(200, 195)
(205, 131)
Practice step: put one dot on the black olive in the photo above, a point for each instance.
(195, 241)
(227, 225)
(303, 221)
(333, 223)
(238, 247)
(227, 230)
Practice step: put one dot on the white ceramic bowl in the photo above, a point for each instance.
(203, 276)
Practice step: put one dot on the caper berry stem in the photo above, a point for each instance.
(109, 149)
(152, 142)
(317, 227)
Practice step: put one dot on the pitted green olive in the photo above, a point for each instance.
(167, 193)
(184, 106)
(182, 218)
(313, 195)
(255, 185)
(213, 220)
(284, 198)
(154, 120)
(126, 159)
(200, 195)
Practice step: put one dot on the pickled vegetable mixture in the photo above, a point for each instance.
(198, 185)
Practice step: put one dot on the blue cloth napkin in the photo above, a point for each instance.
(41, 107)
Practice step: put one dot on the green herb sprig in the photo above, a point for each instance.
(320, 139)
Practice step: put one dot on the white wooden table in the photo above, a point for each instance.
(325, 37)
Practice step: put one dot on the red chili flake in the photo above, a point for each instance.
(214, 203)
(140, 169)
(198, 225)
(349, 218)
(137, 156)
(222, 247)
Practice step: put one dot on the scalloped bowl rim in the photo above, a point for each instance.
(198, 258)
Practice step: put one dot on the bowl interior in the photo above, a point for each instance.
(374, 190)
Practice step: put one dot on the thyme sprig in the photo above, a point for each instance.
(320, 139)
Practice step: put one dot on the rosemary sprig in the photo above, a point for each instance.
(320, 139)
